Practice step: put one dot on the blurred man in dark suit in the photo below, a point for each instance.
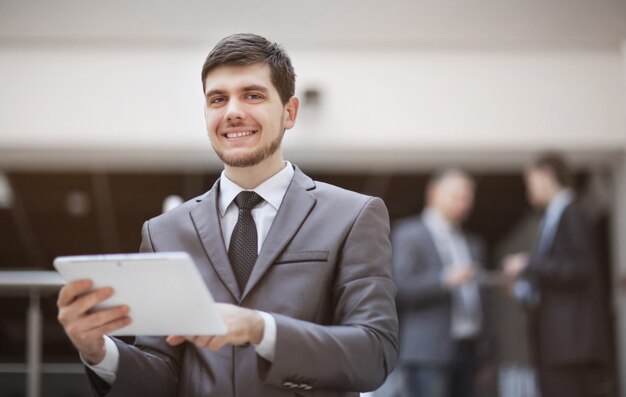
(558, 283)
(436, 267)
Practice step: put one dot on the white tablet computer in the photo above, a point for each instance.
(165, 291)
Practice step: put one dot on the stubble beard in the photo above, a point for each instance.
(253, 158)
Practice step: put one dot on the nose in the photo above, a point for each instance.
(234, 112)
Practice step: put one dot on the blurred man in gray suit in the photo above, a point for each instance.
(436, 267)
(302, 269)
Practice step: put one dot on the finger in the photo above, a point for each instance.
(202, 341)
(81, 326)
(111, 326)
(217, 343)
(70, 291)
(102, 317)
(87, 302)
(175, 340)
(79, 307)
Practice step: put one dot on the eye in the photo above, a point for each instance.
(216, 100)
(254, 97)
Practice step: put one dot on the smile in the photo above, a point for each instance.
(239, 134)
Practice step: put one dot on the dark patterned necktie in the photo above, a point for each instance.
(242, 250)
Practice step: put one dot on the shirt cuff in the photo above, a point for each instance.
(107, 368)
(267, 347)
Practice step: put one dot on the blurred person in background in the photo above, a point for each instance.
(558, 283)
(436, 267)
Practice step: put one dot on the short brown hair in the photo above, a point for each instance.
(555, 163)
(244, 49)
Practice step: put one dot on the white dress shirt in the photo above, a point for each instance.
(454, 251)
(272, 191)
(552, 218)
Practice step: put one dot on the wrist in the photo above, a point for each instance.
(95, 358)
(258, 328)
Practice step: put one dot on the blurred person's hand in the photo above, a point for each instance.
(513, 265)
(84, 327)
(456, 276)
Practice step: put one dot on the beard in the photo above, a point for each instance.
(251, 159)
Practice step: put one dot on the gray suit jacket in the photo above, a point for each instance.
(424, 304)
(323, 272)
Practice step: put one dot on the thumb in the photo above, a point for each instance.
(174, 340)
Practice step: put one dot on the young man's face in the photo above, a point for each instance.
(539, 184)
(245, 117)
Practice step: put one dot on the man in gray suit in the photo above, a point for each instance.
(436, 265)
(301, 268)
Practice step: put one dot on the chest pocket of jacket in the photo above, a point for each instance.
(302, 256)
(298, 283)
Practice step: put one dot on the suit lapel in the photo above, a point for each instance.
(436, 252)
(206, 219)
(295, 208)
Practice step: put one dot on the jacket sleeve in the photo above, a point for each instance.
(419, 282)
(150, 367)
(572, 260)
(359, 349)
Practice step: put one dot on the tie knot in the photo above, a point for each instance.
(247, 200)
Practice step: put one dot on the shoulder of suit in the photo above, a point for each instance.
(574, 213)
(178, 211)
(573, 207)
(341, 195)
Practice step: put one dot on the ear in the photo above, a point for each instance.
(291, 112)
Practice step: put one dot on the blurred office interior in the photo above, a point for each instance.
(101, 121)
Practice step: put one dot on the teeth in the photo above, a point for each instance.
(238, 134)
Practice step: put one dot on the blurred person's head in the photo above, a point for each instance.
(249, 86)
(451, 193)
(545, 178)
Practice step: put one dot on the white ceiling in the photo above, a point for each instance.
(353, 23)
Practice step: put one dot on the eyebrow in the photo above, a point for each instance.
(255, 87)
(248, 88)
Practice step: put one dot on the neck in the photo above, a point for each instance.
(251, 177)
(553, 193)
(445, 216)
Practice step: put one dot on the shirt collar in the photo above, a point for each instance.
(559, 202)
(272, 190)
(436, 222)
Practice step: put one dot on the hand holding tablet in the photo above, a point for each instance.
(165, 292)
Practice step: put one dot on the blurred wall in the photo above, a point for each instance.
(106, 101)
(619, 245)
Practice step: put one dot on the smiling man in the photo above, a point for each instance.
(301, 268)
